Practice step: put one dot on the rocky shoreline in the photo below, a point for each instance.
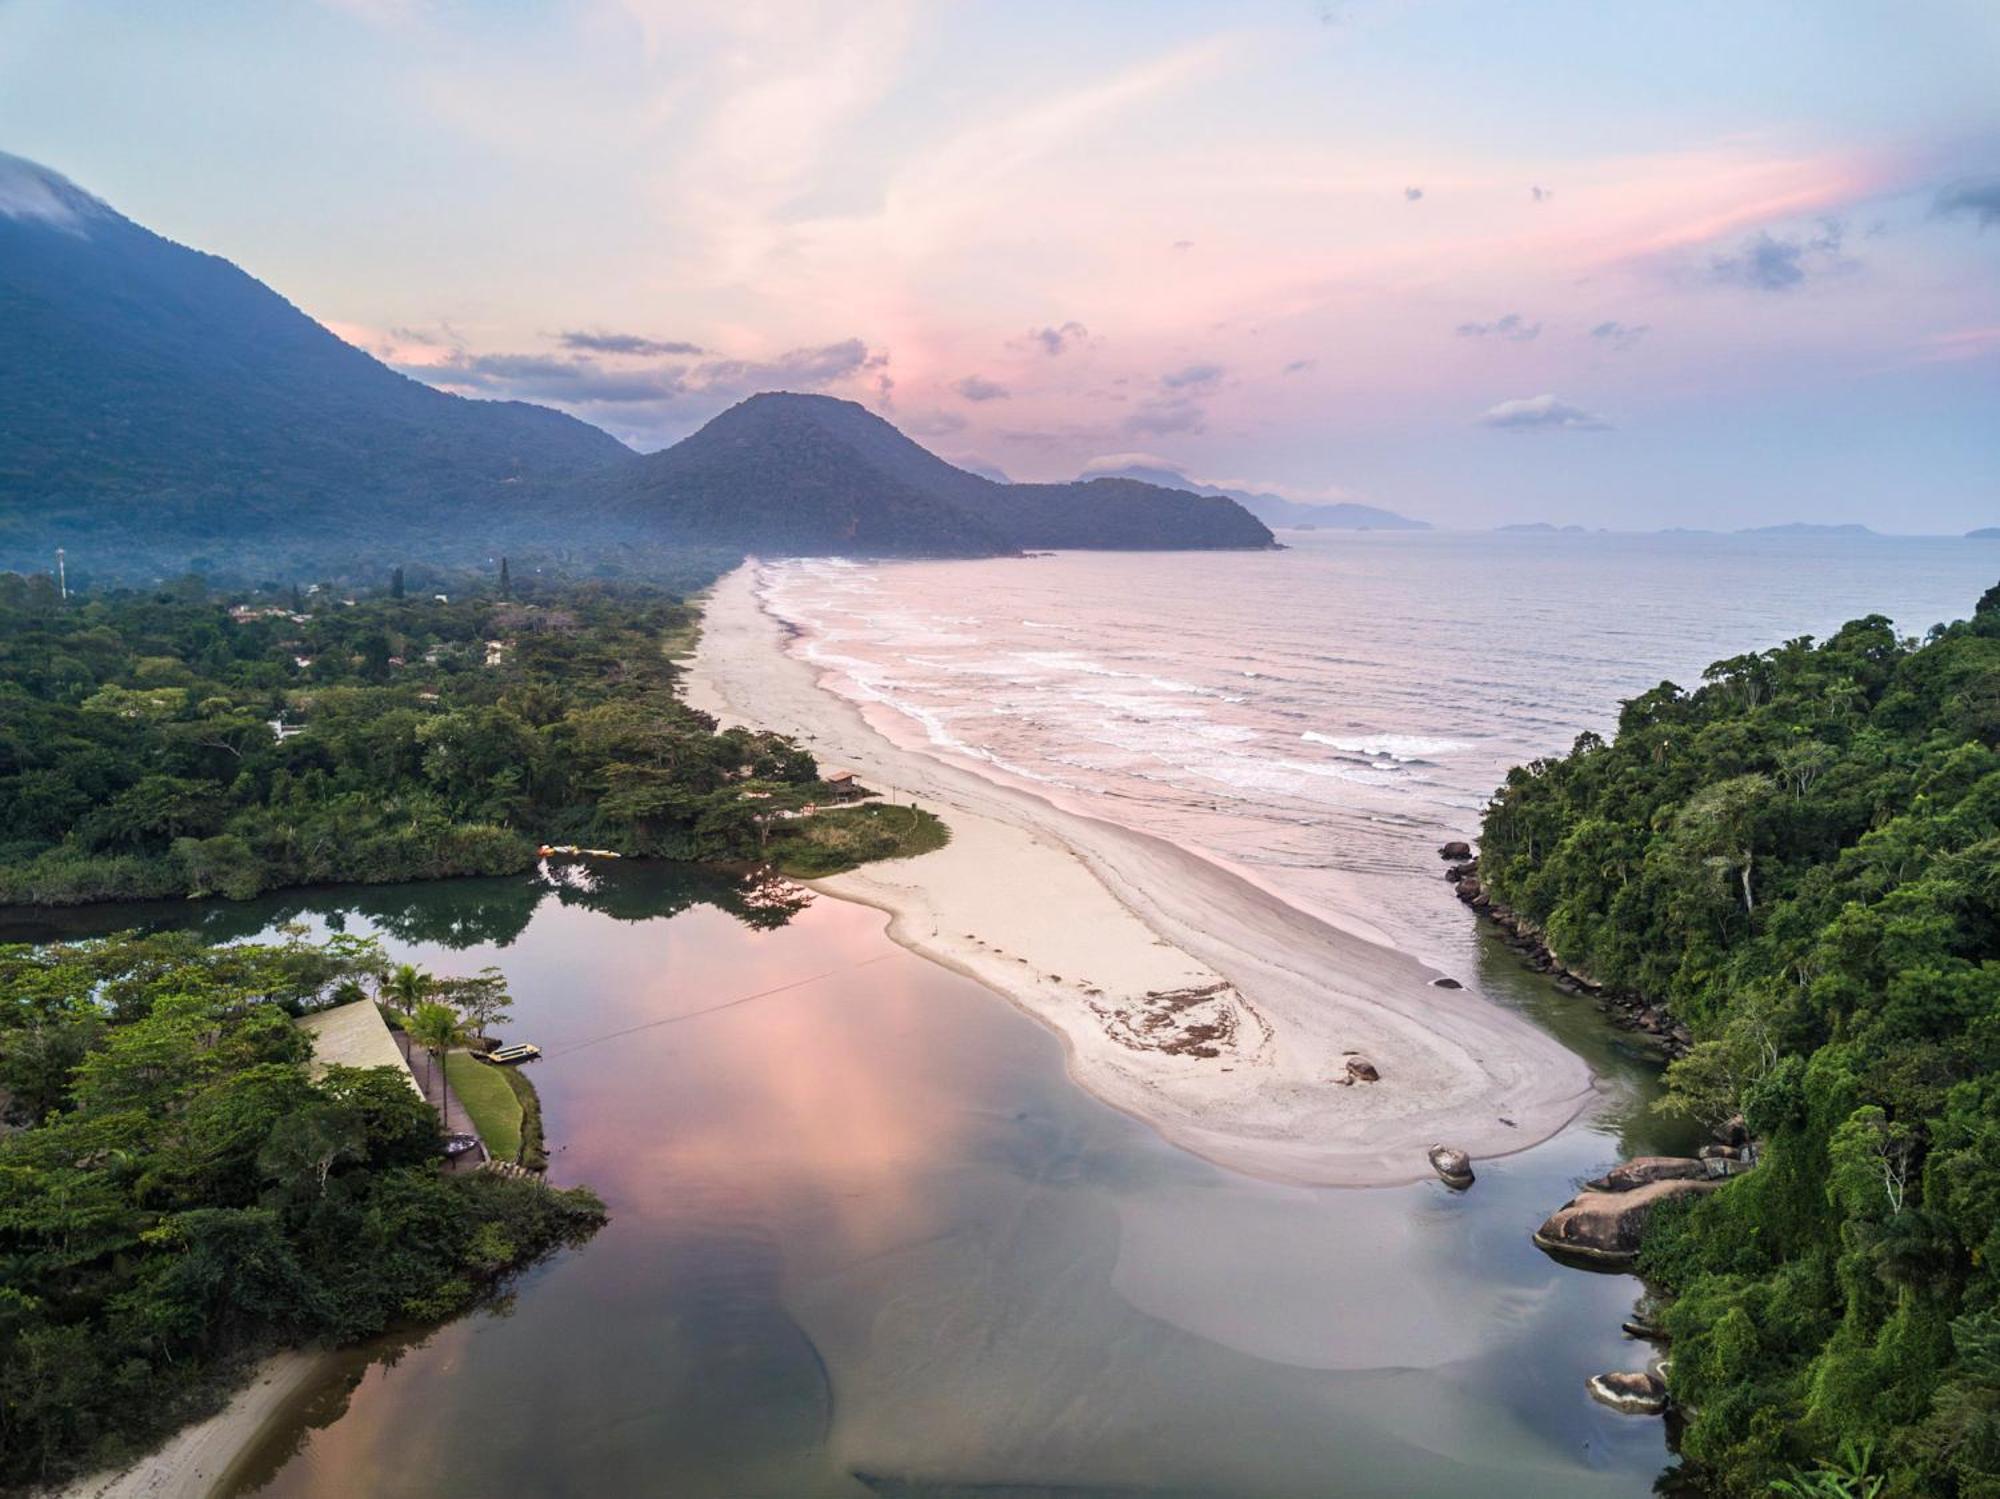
(1632, 1012)
(1603, 1226)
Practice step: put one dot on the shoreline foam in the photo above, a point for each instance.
(1185, 994)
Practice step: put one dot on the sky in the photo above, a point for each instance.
(1624, 265)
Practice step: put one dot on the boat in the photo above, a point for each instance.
(506, 1056)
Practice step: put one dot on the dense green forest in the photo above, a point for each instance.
(180, 741)
(185, 1196)
(1802, 859)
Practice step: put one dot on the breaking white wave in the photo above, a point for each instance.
(1404, 747)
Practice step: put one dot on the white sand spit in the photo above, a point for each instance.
(1188, 996)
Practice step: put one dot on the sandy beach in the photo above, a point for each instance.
(195, 1460)
(1186, 995)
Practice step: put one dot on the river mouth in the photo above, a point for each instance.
(868, 1238)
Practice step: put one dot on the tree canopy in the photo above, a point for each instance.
(169, 742)
(183, 1194)
(1802, 859)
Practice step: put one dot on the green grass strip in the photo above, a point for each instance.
(485, 1094)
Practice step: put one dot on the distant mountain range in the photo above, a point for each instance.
(1271, 509)
(159, 405)
(1790, 528)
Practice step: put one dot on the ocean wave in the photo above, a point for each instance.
(1407, 748)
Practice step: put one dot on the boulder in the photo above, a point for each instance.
(1606, 1228)
(1446, 984)
(1361, 1070)
(1456, 851)
(1635, 1394)
(1649, 1168)
(1454, 1167)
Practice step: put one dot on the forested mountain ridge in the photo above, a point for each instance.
(784, 472)
(157, 396)
(1271, 509)
(1802, 859)
(166, 410)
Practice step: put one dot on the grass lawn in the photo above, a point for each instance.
(496, 1112)
(842, 837)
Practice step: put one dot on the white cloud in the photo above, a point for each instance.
(1542, 414)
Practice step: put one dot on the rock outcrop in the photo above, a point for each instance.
(1645, 1169)
(1455, 851)
(1606, 1228)
(1636, 1394)
(1454, 1167)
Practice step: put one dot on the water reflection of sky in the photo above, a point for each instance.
(866, 1238)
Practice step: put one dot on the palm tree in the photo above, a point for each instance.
(437, 1029)
(405, 987)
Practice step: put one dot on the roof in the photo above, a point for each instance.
(354, 1035)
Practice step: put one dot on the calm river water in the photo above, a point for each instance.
(866, 1238)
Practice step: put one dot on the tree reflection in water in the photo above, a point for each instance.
(448, 913)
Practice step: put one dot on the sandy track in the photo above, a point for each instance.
(192, 1463)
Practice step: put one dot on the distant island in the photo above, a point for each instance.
(1790, 528)
(1807, 528)
(1271, 509)
(167, 411)
(1984, 533)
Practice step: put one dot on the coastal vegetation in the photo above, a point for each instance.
(839, 838)
(182, 1192)
(178, 741)
(1801, 860)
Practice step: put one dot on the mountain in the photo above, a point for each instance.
(1271, 509)
(1984, 533)
(162, 408)
(782, 472)
(158, 399)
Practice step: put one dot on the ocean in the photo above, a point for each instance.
(1322, 717)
